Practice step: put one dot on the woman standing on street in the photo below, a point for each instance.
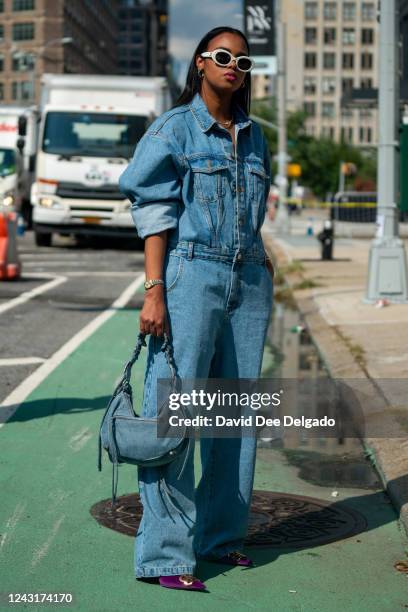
(198, 184)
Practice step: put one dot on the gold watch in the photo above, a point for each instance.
(152, 282)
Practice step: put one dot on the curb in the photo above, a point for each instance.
(384, 453)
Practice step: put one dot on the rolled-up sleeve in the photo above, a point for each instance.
(153, 185)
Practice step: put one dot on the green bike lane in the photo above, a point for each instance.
(50, 542)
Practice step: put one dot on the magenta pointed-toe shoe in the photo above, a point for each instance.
(182, 581)
(235, 558)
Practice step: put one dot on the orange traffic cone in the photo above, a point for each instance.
(10, 266)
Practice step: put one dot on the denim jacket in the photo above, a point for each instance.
(184, 177)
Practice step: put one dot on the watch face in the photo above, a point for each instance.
(147, 284)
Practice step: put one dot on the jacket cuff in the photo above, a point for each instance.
(154, 218)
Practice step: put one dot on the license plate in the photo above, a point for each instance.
(91, 219)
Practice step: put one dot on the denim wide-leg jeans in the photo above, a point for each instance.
(218, 307)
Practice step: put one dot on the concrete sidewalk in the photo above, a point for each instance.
(357, 341)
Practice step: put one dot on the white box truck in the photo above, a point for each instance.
(18, 147)
(90, 125)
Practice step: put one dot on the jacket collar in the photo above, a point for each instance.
(206, 121)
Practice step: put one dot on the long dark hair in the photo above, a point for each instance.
(242, 97)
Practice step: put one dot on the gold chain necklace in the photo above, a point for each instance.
(227, 123)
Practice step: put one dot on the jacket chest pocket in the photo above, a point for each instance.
(209, 179)
(258, 181)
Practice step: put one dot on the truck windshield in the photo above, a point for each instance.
(7, 162)
(93, 134)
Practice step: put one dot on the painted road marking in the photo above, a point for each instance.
(54, 263)
(16, 361)
(29, 295)
(12, 524)
(41, 275)
(12, 402)
(42, 550)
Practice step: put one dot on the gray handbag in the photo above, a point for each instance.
(130, 438)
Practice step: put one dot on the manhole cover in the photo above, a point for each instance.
(277, 520)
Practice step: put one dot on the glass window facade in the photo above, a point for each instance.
(23, 5)
(329, 36)
(328, 109)
(349, 11)
(311, 10)
(310, 108)
(310, 36)
(329, 60)
(330, 11)
(309, 85)
(328, 85)
(367, 36)
(348, 61)
(349, 36)
(23, 31)
(368, 11)
(310, 60)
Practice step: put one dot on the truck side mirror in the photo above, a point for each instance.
(20, 144)
(22, 125)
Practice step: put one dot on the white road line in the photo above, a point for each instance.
(16, 397)
(29, 295)
(76, 255)
(16, 361)
(54, 263)
(42, 275)
(107, 273)
(39, 275)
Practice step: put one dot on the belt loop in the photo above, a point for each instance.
(190, 250)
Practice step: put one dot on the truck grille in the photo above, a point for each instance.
(82, 192)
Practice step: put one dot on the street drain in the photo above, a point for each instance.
(277, 520)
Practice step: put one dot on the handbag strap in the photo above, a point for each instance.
(166, 348)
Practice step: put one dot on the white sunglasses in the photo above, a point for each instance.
(223, 58)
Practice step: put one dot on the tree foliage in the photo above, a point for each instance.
(319, 158)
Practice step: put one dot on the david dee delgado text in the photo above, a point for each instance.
(207, 401)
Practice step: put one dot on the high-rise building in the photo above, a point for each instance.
(143, 37)
(332, 48)
(37, 36)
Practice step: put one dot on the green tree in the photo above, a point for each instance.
(319, 158)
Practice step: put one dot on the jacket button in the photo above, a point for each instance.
(239, 256)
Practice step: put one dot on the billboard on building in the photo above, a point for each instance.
(260, 31)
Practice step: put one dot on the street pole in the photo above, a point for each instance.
(282, 218)
(34, 75)
(387, 267)
(342, 177)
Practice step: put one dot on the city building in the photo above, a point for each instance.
(261, 86)
(37, 36)
(143, 37)
(332, 48)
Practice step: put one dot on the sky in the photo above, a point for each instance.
(191, 19)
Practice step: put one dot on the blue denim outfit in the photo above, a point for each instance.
(185, 178)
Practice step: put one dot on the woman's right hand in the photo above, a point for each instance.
(153, 317)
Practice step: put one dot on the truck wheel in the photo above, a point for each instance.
(43, 240)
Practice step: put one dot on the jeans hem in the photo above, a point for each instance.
(164, 571)
(221, 552)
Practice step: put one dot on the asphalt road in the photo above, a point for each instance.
(61, 290)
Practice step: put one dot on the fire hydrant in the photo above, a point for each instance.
(326, 237)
